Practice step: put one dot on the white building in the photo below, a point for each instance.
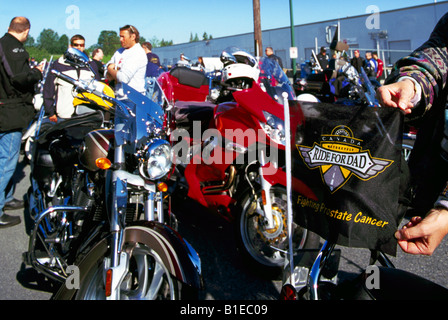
(392, 33)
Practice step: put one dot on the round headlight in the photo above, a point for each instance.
(157, 160)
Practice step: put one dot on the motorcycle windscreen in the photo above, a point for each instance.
(350, 156)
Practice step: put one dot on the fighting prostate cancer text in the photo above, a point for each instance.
(319, 207)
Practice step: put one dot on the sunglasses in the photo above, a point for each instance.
(81, 45)
(131, 28)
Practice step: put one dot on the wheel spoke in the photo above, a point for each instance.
(156, 282)
(147, 278)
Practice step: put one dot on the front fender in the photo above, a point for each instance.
(183, 262)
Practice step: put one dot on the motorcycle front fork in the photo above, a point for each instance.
(265, 195)
(116, 265)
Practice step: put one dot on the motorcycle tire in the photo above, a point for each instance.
(147, 278)
(255, 244)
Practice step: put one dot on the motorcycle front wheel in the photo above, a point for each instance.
(264, 250)
(147, 276)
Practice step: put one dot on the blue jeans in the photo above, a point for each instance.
(9, 156)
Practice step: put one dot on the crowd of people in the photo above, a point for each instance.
(417, 86)
(371, 63)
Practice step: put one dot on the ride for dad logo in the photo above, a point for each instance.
(340, 157)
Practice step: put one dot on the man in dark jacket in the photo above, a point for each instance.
(357, 61)
(17, 83)
(270, 54)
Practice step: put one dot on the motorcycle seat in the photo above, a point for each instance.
(187, 112)
(88, 120)
(188, 77)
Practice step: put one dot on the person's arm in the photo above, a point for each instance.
(427, 66)
(130, 67)
(110, 67)
(112, 72)
(49, 94)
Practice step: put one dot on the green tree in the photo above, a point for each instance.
(166, 43)
(194, 38)
(30, 42)
(109, 41)
(48, 40)
(39, 54)
(62, 44)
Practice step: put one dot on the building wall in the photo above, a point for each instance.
(406, 29)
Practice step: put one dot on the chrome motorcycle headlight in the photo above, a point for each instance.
(274, 128)
(157, 160)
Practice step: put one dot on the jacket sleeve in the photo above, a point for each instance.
(26, 80)
(428, 65)
(442, 201)
(49, 93)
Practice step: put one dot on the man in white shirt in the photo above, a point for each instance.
(128, 64)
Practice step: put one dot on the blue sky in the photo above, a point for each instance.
(174, 19)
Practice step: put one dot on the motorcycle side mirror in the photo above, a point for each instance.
(76, 58)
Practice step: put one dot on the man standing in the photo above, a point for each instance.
(153, 68)
(128, 64)
(17, 82)
(97, 57)
(371, 66)
(58, 94)
(323, 59)
(380, 64)
(270, 54)
(357, 61)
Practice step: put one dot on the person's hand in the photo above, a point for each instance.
(40, 67)
(397, 95)
(111, 73)
(53, 118)
(423, 236)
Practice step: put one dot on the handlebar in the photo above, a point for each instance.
(90, 87)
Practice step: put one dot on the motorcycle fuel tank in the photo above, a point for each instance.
(97, 144)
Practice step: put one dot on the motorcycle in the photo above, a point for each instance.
(100, 202)
(184, 84)
(230, 158)
(354, 85)
(357, 91)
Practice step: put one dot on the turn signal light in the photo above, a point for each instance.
(103, 163)
(109, 283)
(263, 197)
(288, 293)
(162, 187)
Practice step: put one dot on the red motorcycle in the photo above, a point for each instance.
(232, 157)
(184, 84)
